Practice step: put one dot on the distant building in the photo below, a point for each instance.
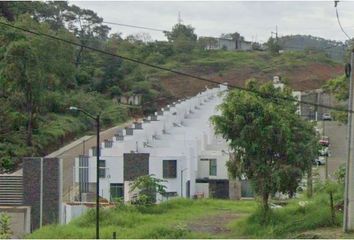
(315, 96)
(230, 44)
(134, 99)
(277, 82)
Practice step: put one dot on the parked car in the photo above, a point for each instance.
(324, 141)
(319, 161)
(326, 117)
(324, 151)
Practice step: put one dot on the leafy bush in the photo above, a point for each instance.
(148, 186)
(5, 231)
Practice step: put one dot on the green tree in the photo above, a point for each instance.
(31, 65)
(339, 87)
(268, 139)
(182, 37)
(273, 46)
(148, 186)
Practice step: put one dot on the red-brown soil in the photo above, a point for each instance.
(312, 76)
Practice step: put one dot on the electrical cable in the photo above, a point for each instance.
(263, 95)
(134, 26)
(340, 25)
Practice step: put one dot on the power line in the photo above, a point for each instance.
(263, 95)
(135, 26)
(340, 25)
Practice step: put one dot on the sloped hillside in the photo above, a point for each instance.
(300, 70)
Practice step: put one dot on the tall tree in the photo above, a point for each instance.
(273, 46)
(268, 138)
(31, 65)
(182, 37)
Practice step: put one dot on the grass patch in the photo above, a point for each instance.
(167, 220)
(288, 221)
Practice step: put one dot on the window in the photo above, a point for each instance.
(108, 143)
(94, 151)
(212, 167)
(102, 170)
(169, 168)
(117, 190)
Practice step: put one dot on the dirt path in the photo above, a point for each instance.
(215, 224)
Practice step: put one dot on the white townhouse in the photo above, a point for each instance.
(177, 144)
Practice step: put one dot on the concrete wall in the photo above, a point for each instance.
(135, 165)
(20, 219)
(230, 45)
(42, 190)
(245, 46)
(73, 211)
(73, 150)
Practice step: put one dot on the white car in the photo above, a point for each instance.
(320, 161)
(326, 117)
(324, 151)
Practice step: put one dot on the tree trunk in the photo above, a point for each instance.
(265, 198)
(333, 214)
(78, 58)
(30, 115)
(309, 182)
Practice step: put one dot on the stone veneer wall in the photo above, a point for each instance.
(135, 165)
(51, 189)
(31, 188)
(219, 188)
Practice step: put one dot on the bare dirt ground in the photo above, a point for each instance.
(312, 76)
(215, 224)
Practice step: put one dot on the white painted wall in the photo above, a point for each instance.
(73, 211)
(186, 143)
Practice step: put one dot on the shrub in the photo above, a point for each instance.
(5, 231)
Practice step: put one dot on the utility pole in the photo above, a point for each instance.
(182, 181)
(324, 134)
(276, 33)
(97, 120)
(348, 224)
(98, 153)
(179, 18)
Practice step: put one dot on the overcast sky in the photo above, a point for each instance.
(254, 20)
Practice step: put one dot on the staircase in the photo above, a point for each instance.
(11, 190)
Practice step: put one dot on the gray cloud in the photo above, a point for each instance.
(213, 18)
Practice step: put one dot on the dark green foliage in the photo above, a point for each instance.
(273, 146)
(273, 46)
(148, 187)
(334, 49)
(182, 37)
(5, 223)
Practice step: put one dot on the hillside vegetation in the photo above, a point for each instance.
(40, 77)
(335, 49)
